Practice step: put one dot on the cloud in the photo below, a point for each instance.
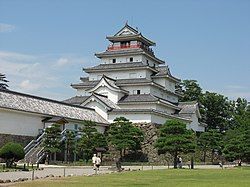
(6, 27)
(62, 62)
(46, 75)
(26, 85)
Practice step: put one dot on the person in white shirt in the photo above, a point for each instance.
(98, 162)
(94, 159)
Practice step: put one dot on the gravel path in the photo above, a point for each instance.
(80, 170)
(55, 171)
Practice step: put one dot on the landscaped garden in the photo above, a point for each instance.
(172, 177)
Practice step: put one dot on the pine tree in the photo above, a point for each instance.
(174, 139)
(3, 82)
(90, 140)
(123, 135)
(52, 139)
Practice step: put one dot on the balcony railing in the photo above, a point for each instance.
(110, 48)
(132, 46)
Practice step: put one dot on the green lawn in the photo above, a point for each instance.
(199, 178)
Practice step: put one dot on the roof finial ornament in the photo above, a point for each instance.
(126, 23)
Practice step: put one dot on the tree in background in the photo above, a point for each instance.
(237, 139)
(217, 111)
(3, 82)
(123, 135)
(191, 90)
(214, 108)
(70, 144)
(175, 139)
(51, 142)
(210, 141)
(225, 118)
(11, 152)
(90, 140)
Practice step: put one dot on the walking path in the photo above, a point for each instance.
(56, 171)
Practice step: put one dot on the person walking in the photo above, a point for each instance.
(179, 162)
(94, 159)
(98, 162)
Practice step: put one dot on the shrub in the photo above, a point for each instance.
(11, 152)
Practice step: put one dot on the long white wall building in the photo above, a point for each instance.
(24, 117)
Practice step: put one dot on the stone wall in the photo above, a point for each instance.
(150, 137)
(148, 151)
(23, 140)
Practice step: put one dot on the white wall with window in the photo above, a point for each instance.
(122, 59)
(121, 74)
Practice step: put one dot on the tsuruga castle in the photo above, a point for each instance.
(129, 82)
(132, 82)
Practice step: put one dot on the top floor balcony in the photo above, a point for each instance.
(131, 46)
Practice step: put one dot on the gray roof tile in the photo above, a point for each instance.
(106, 101)
(77, 100)
(116, 66)
(188, 107)
(118, 82)
(28, 103)
(118, 52)
(134, 111)
(162, 70)
(138, 98)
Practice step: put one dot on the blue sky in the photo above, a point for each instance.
(44, 44)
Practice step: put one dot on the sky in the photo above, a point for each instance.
(45, 44)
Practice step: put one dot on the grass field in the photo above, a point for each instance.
(200, 178)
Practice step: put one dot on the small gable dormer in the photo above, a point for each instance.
(129, 38)
(126, 30)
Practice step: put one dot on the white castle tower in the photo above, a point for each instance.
(132, 82)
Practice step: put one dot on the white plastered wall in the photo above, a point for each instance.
(122, 59)
(133, 88)
(163, 94)
(99, 108)
(138, 106)
(135, 118)
(121, 74)
(19, 123)
(195, 125)
(112, 95)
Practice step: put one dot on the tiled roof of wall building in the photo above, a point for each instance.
(77, 100)
(33, 104)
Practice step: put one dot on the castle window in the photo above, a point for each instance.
(76, 126)
(131, 59)
(114, 60)
(138, 92)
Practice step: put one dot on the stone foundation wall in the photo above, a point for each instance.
(23, 140)
(148, 150)
(150, 136)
